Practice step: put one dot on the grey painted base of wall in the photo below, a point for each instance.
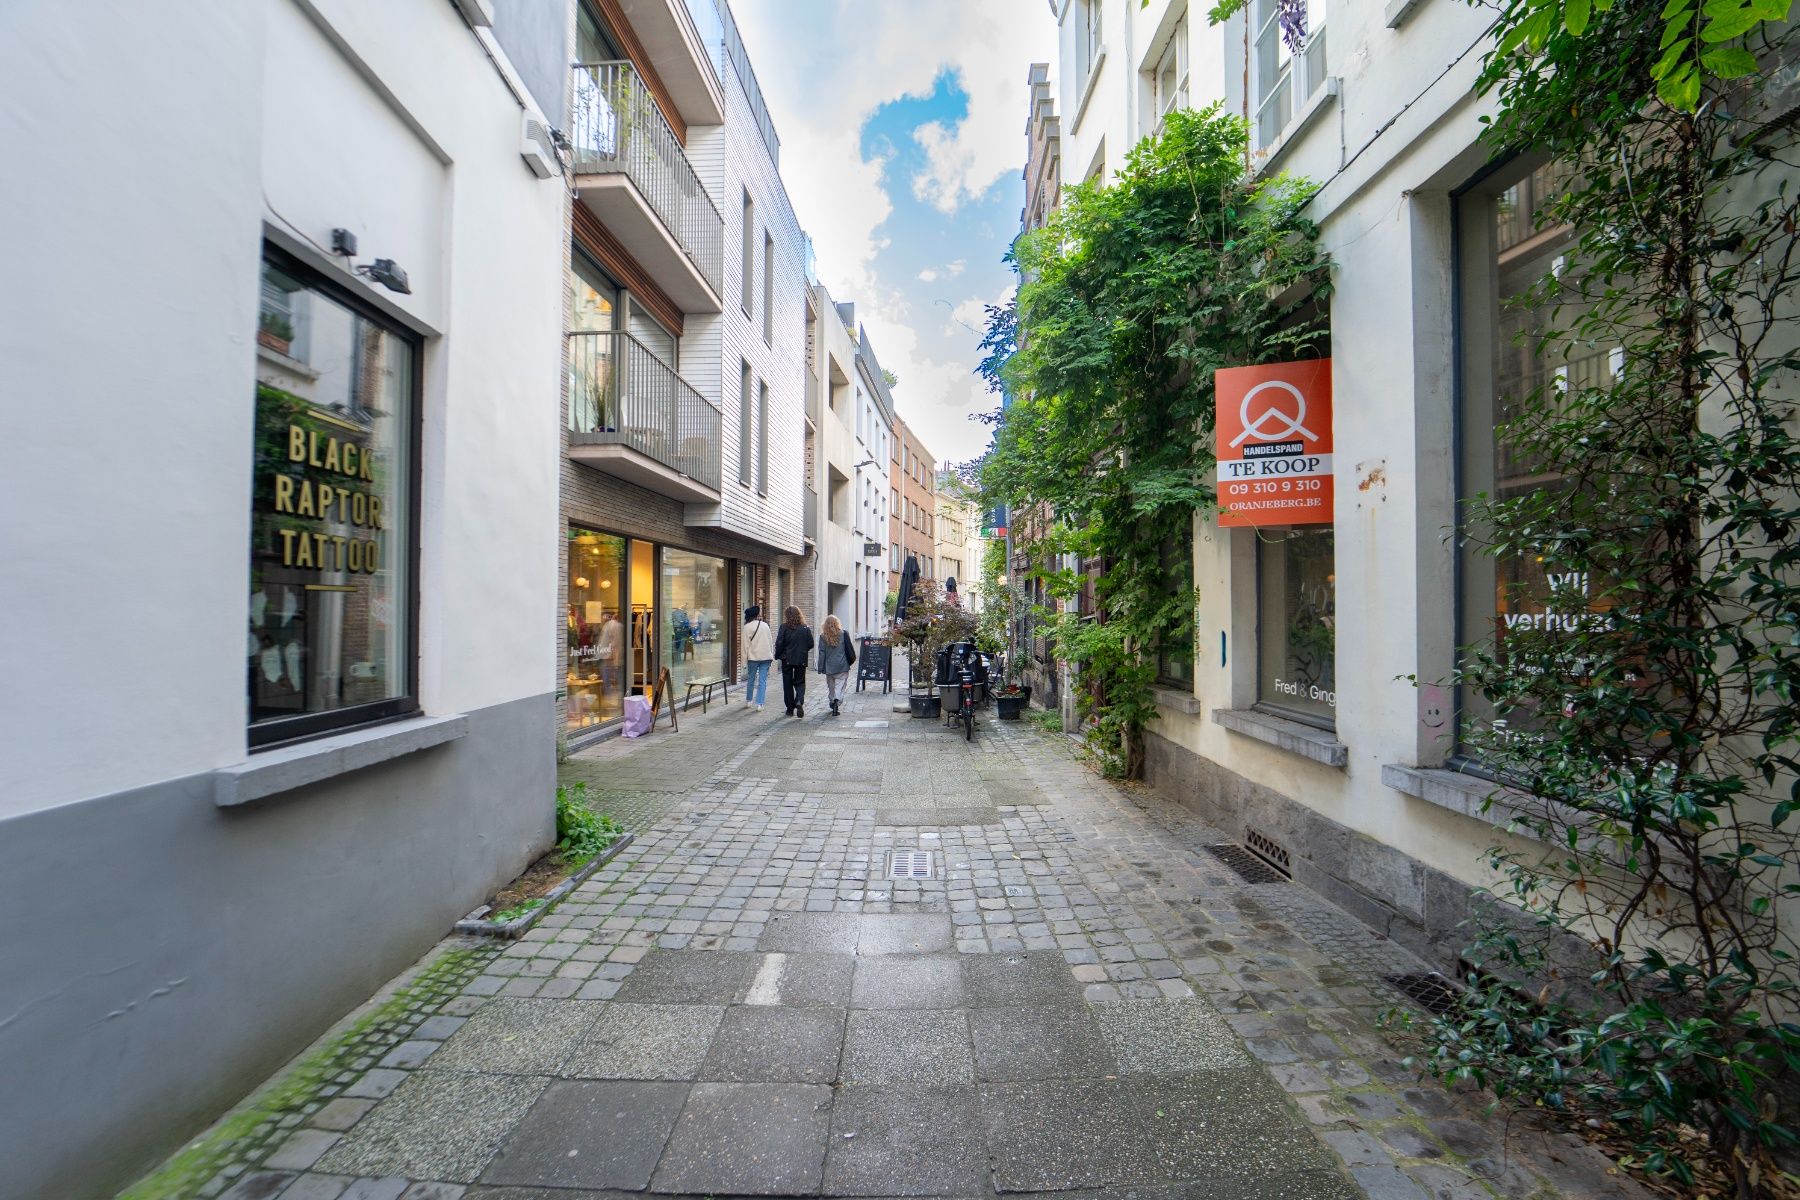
(163, 955)
(1394, 894)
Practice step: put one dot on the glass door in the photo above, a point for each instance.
(645, 655)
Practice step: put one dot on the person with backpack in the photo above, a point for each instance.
(836, 657)
(759, 652)
(793, 645)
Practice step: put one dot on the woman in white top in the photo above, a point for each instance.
(759, 652)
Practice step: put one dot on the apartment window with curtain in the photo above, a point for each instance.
(768, 280)
(744, 425)
(762, 438)
(1284, 79)
(749, 239)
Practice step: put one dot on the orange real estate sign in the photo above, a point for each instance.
(1273, 430)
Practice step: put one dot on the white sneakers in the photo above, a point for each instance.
(759, 708)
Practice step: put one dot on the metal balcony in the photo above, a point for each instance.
(632, 416)
(632, 172)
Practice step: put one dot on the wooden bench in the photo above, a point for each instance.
(706, 687)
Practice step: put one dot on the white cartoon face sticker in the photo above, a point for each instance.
(1434, 708)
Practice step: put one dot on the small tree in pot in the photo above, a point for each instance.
(931, 624)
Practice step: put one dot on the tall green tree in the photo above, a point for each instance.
(1130, 298)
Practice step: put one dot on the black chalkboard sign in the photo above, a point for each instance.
(874, 662)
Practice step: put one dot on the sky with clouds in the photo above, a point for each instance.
(902, 126)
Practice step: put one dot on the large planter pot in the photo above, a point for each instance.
(1009, 707)
(924, 706)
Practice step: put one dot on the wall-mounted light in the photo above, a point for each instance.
(388, 274)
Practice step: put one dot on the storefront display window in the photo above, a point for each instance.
(696, 627)
(1297, 623)
(598, 636)
(1506, 249)
(330, 632)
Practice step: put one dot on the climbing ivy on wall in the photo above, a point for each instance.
(1130, 298)
(1648, 734)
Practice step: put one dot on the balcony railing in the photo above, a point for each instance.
(622, 394)
(812, 514)
(618, 128)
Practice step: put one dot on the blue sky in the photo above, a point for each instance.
(902, 145)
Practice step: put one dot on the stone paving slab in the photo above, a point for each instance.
(590, 1135)
(1081, 1002)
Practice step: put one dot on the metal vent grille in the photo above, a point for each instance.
(1249, 868)
(1269, 850)
(909, 864)
(1427, 989)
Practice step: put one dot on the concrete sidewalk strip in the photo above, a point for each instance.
(1075, 997)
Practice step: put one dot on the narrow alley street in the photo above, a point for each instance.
(858, 956)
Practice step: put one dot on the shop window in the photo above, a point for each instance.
(332, 511)
(695, 624)
(1507, 246)
(1175, 651)
(1287, 63)
(597, 638)
(1296, 581)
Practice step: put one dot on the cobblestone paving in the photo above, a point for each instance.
(1078, 999)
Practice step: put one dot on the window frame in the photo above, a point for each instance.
(746, 378)
(749, 253)
(1288, 72)
(1161, 106)
(762, 437)
(276, 732)
(768, 288)
(1262, 703)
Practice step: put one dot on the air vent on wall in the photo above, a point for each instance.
(538, 148)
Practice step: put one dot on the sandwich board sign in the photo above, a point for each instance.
(1273, 431)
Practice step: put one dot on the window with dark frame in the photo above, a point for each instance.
(334, 511)
(1296, 592)
(768, 288)
(749, 244)
(1503, 250)
(744, 423)
(762, 438)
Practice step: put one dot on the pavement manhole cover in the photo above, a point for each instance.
(909, 864)
(1427, 989)
(1249, 868)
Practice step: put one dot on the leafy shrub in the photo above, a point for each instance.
(581, 833)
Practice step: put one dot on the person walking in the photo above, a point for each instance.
(793, 645)
(759, 652)
(836, 657)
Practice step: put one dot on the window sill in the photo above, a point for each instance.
(1319, 745)
(1088, 89)
(1398, 12)
(1277, 150)
(1457, 791)
(1175, 699)
(283, 770)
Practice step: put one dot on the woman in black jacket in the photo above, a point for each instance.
(792, 647)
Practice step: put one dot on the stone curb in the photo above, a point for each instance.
(518, 925)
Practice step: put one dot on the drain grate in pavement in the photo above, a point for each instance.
(909, 864)
(1249, 868)
(1269, 850)
(1427, 989)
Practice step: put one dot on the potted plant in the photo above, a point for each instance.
(275, 331)
(1011, 700)
(931, 624)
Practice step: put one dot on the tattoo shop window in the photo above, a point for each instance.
(1296, 584)
(330, 641)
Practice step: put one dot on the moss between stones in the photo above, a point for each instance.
(252, 1132)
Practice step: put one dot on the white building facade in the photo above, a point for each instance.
(287, 733)
(683, 477)
(1340, 761)
(875, 433)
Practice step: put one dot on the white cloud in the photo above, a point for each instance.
(826, 73)
(825, 68)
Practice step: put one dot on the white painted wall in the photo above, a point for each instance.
(1385, 219)
(729, 160)
(127, 347)
(839, 546)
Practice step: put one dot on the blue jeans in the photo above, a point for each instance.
(756, 680)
